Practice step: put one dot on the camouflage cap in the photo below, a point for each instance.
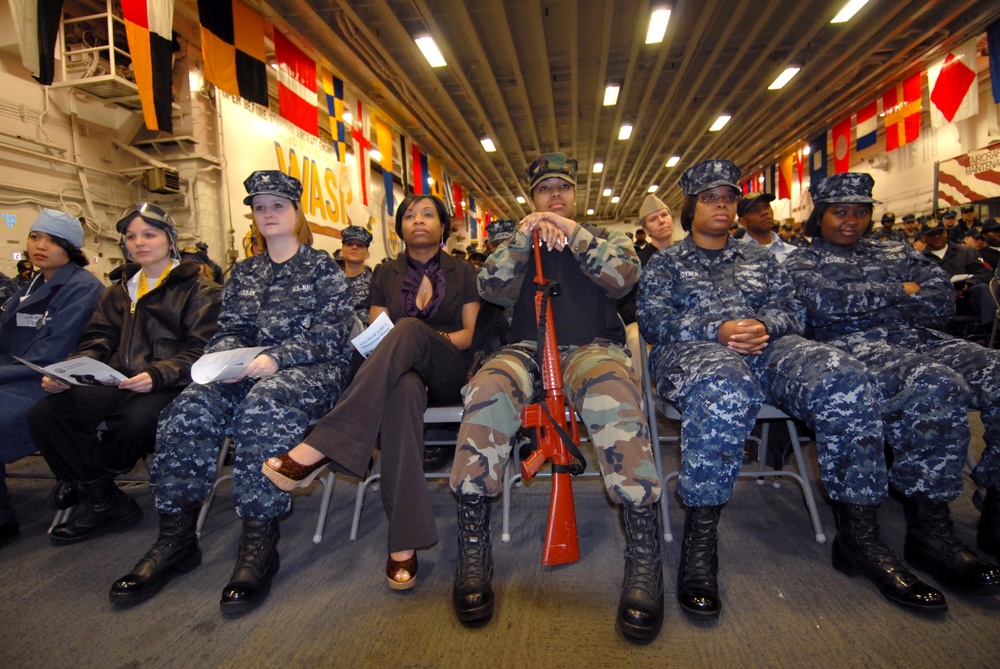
(949, 213)
(747, 203)
(651, 205)
(848, 187)
(709, 174)
(991, 225)
(888, 216)
(550, 165)
(355, 233)
(909, 218)
(930, 225)
(500, 230)
(272, 182)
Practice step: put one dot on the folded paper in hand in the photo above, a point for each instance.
(223, 365)
(81, 371)
(373, 334)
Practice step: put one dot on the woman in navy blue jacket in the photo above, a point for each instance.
(40, 323)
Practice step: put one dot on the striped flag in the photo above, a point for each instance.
(232, 45)
(149, 28)
(383, 137)
(297, 99)
(867, 125)
(37, 25)
(901, 105)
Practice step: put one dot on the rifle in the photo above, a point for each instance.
(548, 417)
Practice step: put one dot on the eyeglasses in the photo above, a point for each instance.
(146, 210)
(712, 198)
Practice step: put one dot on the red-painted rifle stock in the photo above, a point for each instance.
(561, 545)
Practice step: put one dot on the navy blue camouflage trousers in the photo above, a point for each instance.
(265, 418)
(719, 393)
(926, 382)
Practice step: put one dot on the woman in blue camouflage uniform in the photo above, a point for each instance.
(431, 298)
(593, 267)
(293, 300)
(882, 303)
(726, 330)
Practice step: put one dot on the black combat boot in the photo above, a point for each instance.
(256, 565)
(859, 549)
(933, 546)
(698, 573)
(640, 610)
(64, 495)
(471, 594)
(988, 538)
(105, 507)
(175, 552)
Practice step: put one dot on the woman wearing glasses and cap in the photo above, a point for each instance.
(726, 330)
(151, 325)
(293, 301)
(40, 323)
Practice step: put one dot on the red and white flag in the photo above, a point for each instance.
(952, 82)
(297, 100)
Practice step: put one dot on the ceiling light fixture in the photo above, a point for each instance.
(657, 25)
(611, 95)
(807, 150)
(672, 162)
(783, 78)
(376, 155)
(653, 189)
(607, 192)
(520, 199)
(598, 168)
(488, 145)
(849, 10)
(430, 50)
(348, 119)
(625, 132)
(719, 123)
(615, 199)
(590, 212)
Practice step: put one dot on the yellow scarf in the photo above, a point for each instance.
(143, 287)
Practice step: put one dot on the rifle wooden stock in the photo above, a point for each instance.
(561, 543)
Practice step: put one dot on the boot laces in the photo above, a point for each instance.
(643, 567)
(473, 542)
(699, 547)
(868, 539)
(253, 547)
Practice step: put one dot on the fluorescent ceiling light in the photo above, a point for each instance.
(590, 212)
(430, 51)
(783, 78)
(625, 132)
(657, 26)
(806, 151)
(598, 168)
(615, 199)
(520, 199)
(849, 10)
(430, 181)
(673, 161)
(376, 155)
(607, 192)
(488, 145)
(653, 189)
(761, 178)
(610, 95)
(719, 123)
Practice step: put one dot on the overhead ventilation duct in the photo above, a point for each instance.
(162, 180)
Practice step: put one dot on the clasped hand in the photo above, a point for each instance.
(553, 230)
(746, 337)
